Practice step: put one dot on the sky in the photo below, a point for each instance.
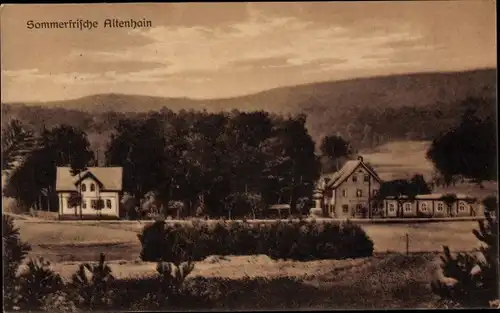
(219, 50)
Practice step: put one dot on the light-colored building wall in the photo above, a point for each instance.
(425, 208)
(463, 208)
(440, 208)
(89, 199)
(409, 208)
(391, 208)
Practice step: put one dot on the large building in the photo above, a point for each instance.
(100, 188)
(349, 192)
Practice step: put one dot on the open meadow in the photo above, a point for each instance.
(400, 159)
(396, 280)
(84, 240)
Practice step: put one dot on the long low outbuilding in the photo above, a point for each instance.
(432, 205)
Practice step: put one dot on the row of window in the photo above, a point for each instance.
(93, 204)
(366, 178)
(359, 192)
(359, 208)
(84, 187)
(407, 207)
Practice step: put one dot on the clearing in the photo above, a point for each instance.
(395, 280)
(84, 240)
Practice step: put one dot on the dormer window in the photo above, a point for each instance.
(84, 187)
(92, 187)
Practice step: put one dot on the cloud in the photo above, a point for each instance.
(31, 75)
(260, 42)
(195, 54)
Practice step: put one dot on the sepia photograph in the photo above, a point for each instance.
(249, 156)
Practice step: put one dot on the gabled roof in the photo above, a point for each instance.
(110, 178)
(337, 178)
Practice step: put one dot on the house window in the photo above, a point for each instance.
(423, 207)
(461, 207)
(366, 178)
(345, 208)
(359, 208)
(391, 207)
(93, 204)
(359, 193)
(84, 187)
(92, 187)
(108, 204)
(84, 204)
(344, 192)
(440, 206)
(354, 178)
(407, 207)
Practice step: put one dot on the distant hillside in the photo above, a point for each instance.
(367, 111)
(400, 159)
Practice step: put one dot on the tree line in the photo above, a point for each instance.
(220, 164)
(205, 160)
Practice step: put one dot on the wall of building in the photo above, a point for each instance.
(350, 203)
(425, 208)
(409, 208)
(463, 208)
(111, 198)
(390, 208)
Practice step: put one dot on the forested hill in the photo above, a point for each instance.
(367, 111)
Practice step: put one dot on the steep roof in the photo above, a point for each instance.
(335, 179)
(109, 177)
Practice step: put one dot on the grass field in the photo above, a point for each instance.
(400, 159)
(82, 241)
(389, 279)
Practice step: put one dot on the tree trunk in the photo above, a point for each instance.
(80, 194)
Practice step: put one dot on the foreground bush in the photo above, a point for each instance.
(37, 283)
(472, 280)
(91, 285)
(14, 253)
(292, 240)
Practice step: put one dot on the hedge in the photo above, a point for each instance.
(294, 240)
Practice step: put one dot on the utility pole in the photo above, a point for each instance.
(407, 244)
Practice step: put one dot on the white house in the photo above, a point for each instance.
(98, 185)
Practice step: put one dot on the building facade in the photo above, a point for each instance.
(348, 193)
(432, 205)
(100, 189)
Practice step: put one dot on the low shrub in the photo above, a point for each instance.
(90, 285)
(295, 240)
(14, 253)
(36, 283)
(471, 280)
